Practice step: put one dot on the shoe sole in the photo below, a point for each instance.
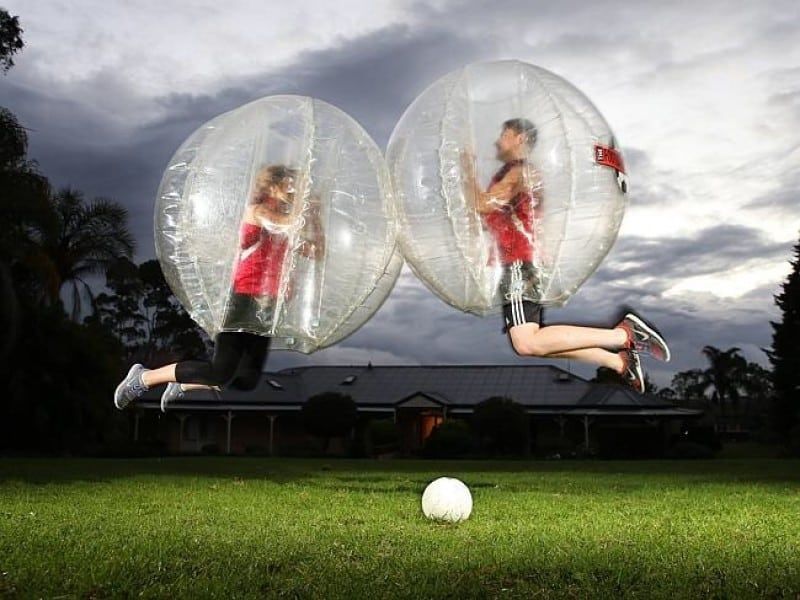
(639, 372)
(121, 386)
(166, 400)
(653, 333)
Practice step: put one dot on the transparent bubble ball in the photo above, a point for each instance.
(442, 158)
(322, 254)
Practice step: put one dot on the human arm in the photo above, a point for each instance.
(313, 234)
(499, 194)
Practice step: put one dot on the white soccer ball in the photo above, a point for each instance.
(447, 499)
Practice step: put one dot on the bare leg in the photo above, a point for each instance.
(529, 339)
(188, 387)
(166, 374)
(155, 377)
(596, 356)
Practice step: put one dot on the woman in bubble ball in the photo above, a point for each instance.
(508, 209)
(264, 236)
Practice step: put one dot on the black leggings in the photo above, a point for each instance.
(238, 358)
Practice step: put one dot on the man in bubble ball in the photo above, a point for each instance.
(508, 209)
(271, 214)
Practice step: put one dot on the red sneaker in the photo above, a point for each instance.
(644, 338)
(632, 370)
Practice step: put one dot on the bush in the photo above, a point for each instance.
(381, 437)
(329, 415)
(502, 426)
(691, 450)
(704, 435)
(210, 449)
(628, 442)
(452, 439)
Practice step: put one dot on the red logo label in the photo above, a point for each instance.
(609, 157)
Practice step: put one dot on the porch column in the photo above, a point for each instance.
(562, 421)
(181, 418)
(586, 422)
(228, 418)
(271, 432)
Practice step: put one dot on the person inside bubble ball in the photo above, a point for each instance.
(509, 211)
(271, 215)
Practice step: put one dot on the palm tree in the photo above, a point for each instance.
(80, 239)
(725, 375)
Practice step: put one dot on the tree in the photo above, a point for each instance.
(611, 377)
(502, 426)
(23, 204)
(785, 353)
(690, 385)
(10, 39)
(55, 394)
(756, 382)
(172, 333)
(120, 311)
(144, 315)
(451, 439)
(725, 374)
(81, 239)
(329, 415)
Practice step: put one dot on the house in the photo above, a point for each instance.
(562, 407)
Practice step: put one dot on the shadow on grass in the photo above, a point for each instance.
(401, 475)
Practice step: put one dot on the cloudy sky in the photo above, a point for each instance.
(704, 98)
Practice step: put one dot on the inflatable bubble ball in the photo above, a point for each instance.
(509, 185)
(277, 218)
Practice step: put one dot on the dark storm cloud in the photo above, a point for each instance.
(88, 142)
(372, 78)
(415, 327)
(711, 250)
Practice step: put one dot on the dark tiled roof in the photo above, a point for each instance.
(452, 385)
(540, 387)
(615, 396)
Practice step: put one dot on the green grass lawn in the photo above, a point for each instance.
(220, 527)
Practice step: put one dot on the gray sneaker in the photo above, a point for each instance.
(173, 392)
(131, 387)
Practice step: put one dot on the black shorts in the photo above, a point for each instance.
(244, 312)
(521, 312)
(517, 286)
(238, 355)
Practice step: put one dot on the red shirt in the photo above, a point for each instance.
(512, 225)
(260, 261)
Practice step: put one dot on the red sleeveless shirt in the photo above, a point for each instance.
(512, 225)
(260, 261)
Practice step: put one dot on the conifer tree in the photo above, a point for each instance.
(785, 354)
